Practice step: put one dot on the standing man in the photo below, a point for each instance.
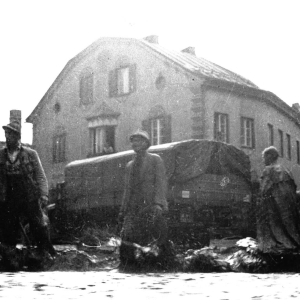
(23, 192)
(278, 219)
(144, 200)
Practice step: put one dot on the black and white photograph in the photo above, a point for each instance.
(150, 149)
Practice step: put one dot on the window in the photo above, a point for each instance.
(159, 129)
(271, 134)
(281, 148)
(288, 144)
(86, 88)
(298, 152)
(59, 148)
(122, 81)
(221, 126)
(102, 138)
(247, 133)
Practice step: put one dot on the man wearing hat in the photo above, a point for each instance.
(23, 192)
(144, 200)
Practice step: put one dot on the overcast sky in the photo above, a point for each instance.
(259, 40)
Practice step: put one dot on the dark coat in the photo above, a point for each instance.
(32, 170)
(153, 186)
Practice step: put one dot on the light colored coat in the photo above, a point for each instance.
(153, 182)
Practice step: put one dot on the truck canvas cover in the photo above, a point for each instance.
(99, 181)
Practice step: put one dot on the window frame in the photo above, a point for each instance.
(115, 82)
(271, 134)
(159, 129)
(97, 141)
(218, 123)
(288, 146)
(247, 133)
(281, 143)
(86, 88)
(165, 136)
(123, 80)
(59, 148)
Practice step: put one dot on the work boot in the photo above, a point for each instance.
(44, 243)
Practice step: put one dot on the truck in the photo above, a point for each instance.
(209, 189)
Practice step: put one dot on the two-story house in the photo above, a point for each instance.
(117, 85)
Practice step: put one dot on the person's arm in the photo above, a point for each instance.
(41, 178)
(126, 192)
(160, 185)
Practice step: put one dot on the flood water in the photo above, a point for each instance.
(112, 284)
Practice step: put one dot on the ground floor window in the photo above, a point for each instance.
(59, 148)
(159, 129)
(221, 127)
(102, 140)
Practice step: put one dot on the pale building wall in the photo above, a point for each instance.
(237, 106)
(189, 101)
(175, 98)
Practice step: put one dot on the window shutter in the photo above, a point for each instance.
(81, 89)
(90, 88)
(63, 156)
(86, 88)
(132, 78)
(253, 134)
(242, 132)
(216, 127)
(227, 129)
(167, 129)
(113, 83)
(54, 149)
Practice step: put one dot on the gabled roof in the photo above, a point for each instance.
(200, 65)
(197, 66)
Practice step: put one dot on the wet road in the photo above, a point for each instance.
(115, 285)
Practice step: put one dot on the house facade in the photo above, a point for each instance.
(118, 85)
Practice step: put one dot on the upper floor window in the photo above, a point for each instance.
(221, 128)
(281, 148)
(122, 81)
(247, 133)
(271, 134)
(288, 144)
(86, 89)
(59, 148)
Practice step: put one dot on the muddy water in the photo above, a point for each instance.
(115, 285)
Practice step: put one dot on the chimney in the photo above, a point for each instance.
(15, 115)
(153, 39)
(190, 50)
(296, 107)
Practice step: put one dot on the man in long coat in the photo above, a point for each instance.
(278, 224)
(144, 200)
